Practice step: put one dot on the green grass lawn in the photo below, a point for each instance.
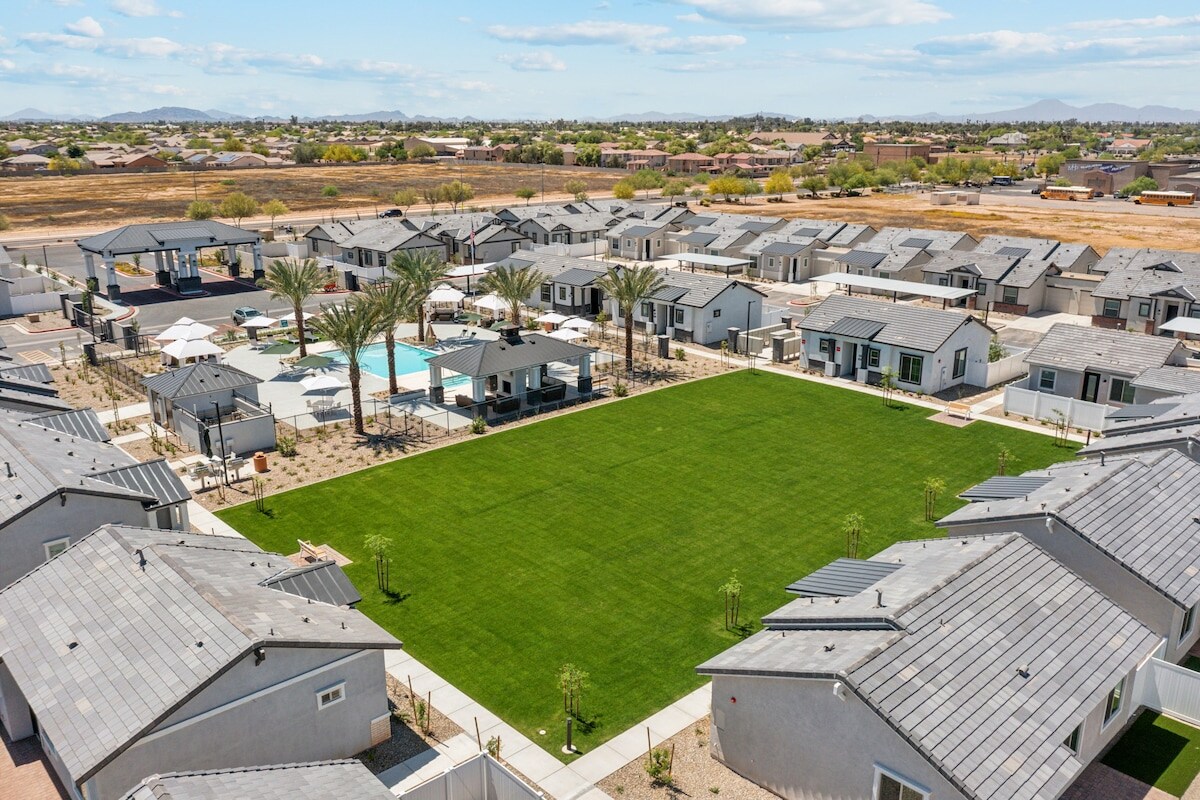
(600, 537)
(1159, 751)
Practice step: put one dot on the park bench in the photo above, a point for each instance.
(960, 410)
(311, 552)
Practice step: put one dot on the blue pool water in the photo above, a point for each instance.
(409, 359)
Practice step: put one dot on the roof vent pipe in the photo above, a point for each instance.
(8, 468)
(1049, 525)
(879, 598)
(1102, 458)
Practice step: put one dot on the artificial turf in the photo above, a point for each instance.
(601, 537)
(1158, 751)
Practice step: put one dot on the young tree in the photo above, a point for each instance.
(780, 183)
(274, 208)
(419, 272)
(623, 190)
(514, 285)
(405, 198)
(676, 187)
(200, 209)
(732, 592)
(853, 528)
(629, 286)
(294, 281)
(238, 206)
(750, 188)
(422, 150)
(378, 545)
(813, 184)
(933, 487)
(646, 179)
(996, 349)
(1004, 458)
(525, 193)
(330, 191)
(456, 193)
(572, 681)
(432, 195)
(392, 302)
(350, 327)
(726, 185)
(887, 382)
(577, 188)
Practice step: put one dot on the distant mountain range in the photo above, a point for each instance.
(1041, 111)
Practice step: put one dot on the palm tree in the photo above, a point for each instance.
(630, 286)
(392, 303)
(514, 285)
(351, 327)
(419, 272)
(294, 281)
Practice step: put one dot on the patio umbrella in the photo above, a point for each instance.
(259, 322)
(566, 334)
(490, 302)
(191, 348)
(291, 316)
(191, 330)
(552, 317)
(321, 383)
(445, 294)
(578, 324)
(314, 362)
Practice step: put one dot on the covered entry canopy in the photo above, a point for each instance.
(942, 293)
(720, 263)
(1181, 325)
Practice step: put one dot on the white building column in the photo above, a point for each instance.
(258, 261)
(231, 259)
(110, 274)
(89, 262)
(479, 390)
(584, 383)
(437, 392)
(189, 272)
(161, 274)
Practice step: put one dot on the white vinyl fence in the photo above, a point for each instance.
(1043, 406)
(479, 778)
(1010, 367)
(1171, 689)
(757, 338)
(577, 250)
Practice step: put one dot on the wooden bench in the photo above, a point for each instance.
(308, 551)
(960, 410)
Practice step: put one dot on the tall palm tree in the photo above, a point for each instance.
(420, 272)
(513, 285)
(393, 303)
(630, 286)
(294, 281)
(351, 327)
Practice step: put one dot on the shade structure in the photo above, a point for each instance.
(191, 348)
(291, 316)
(446, 294)
(470, 270)
(552, 318)
(189, 330)
(322, 383)
(259, 322)
(314, 362)
(578, 324)
(566, 334)
(490, 302)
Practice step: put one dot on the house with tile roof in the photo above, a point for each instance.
(692, 307)
(1143, 288)
(376, 245)
(975, 669)
(1126, 523)
(928, 349)
(1171, 423)
(175, 652)
(346, 779)
(190, 400)
(568, 285)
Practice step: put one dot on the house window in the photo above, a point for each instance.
(56, 546)
(716, 313)
(826, 347)
(1112, 704)
(1010, 295)
(1143, 309)
(562, 293)
(368, 257)
(679, 316)
(1189, 622)
(331, 696)
(1120, 391)
(885, 275)
(645, 310)
(1047, 379)
(615, 244)
(873, 357)
(546, 296)
(960, 363)
(629, 242)
(771, 262)
(890, 786)
(1072, 741)
(911, 368)
(981, 287)
(943, 281)
(1112, 308)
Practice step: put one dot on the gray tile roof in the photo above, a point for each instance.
(551, 265)
(842, 578)
(149, 236)
(1027, 272)
(1140, 511)
(322, 780)
(941, 666)
(166, 611)
(915, 327)
(1018, 246)
(784, 247)
(388, 235)
(988, 266)
(1144, 440)
(1143, 273)
(340, 231)
(199, 378)
(698, 290)
(1174, 380)
(500, 355)
(30, 401)
(925, 238)
(1076, 348)
(322, 581)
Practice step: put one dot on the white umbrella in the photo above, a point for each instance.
(259, 322)
(183, 321)
(191, 348)
(491, 302)
(291, 316)
(470, 270)
(578, 324)
(566, 334)
(320, 383)
(191, 330)
(552, 317)
(445, 294)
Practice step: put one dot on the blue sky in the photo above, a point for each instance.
(533, 58)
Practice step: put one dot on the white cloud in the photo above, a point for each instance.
(818, 14)
(85, 27)
(141, 8)
(690, 17)
(533, 61)
(992, 42)
(167, 89)
(586, 32)
(1159, 21)
(65, 3)
(691, 45)
(465, 20)
(150, 47)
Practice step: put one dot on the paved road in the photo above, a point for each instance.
(1021, 195)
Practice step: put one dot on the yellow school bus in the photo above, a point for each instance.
(1068, 193)
(1164, 198)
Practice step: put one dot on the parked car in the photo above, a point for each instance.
(1002, 180)
(391, 212)
(244, 313)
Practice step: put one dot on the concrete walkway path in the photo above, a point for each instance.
(124, 412)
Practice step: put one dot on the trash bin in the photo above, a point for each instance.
(260, 461)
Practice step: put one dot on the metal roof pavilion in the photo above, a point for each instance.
(709, 262)
(894, 286)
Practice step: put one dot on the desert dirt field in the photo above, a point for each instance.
(86, 200)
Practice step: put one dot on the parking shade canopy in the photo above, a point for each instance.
(894, 286)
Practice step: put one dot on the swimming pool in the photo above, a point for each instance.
(409, 360)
